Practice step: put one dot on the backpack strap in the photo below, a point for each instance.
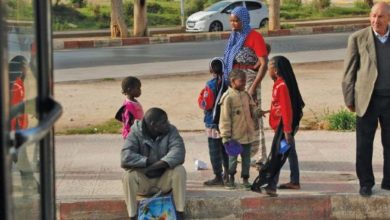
(219, 95)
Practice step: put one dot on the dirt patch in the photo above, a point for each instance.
(94, 102)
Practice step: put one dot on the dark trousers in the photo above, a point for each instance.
(218, 156)
(245, 162)
(294, 169)
(378, 110)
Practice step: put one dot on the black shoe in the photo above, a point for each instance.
(179, 215)
(217, 181)
(134, 217)
(271, 191)
(385, 187)
(365, 191)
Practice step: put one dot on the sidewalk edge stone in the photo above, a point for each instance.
(335, 206)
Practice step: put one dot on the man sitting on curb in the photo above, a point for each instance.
(152, 157)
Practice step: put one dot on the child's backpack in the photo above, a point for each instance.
(127, 119)
(206, 98)
(122, 118)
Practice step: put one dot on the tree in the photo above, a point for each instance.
(140, 18)
(118, 25)
(274, 15)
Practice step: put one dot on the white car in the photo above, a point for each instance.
(216, 17)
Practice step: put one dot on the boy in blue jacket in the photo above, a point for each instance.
(208, 101)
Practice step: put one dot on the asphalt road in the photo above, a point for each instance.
(173, 52)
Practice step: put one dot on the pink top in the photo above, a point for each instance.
(133, 111)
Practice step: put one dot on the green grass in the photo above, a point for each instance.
(309, 12)
(342, 120)
(111, 126)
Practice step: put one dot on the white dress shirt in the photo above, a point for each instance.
(383, 38)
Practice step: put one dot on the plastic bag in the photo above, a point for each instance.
(200, 165)
(157, 207)
(284, 146)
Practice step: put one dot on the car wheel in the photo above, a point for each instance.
(263, 22)
(215, 26)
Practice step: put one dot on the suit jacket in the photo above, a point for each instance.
(360, 70)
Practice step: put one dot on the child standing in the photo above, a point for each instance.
(131, 109)
(285, 115)
(237, 123)
(208, 101)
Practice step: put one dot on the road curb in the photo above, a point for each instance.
(337, 206)
(300, 29)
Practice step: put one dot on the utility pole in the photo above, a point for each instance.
(182, 13)
(274, 15)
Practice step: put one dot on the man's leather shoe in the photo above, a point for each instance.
(290, 186)
(365, 191)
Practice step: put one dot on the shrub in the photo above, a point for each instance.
(320, 4)
(337, 11)
(17, 9)
(361, 5)
(64, 13)
(158, 19)
(155, 8)
(292, 2)
(209, 2)
(96, 10)
(342, 120)
(193, 6)
(292, 15)
(128, 8)
(78, 3)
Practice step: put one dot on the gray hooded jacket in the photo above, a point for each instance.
(139, 146)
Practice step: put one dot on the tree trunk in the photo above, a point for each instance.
(140, 19)
(118, 25)
(274, 15)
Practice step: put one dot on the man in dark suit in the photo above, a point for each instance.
(366, 90)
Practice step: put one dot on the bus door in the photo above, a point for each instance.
(28, 111)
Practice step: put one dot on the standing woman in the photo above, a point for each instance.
(246, 50)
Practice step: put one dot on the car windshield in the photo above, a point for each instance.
(217, 6)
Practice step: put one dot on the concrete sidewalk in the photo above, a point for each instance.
(89, 181)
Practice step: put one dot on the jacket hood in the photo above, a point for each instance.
(137, 127)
